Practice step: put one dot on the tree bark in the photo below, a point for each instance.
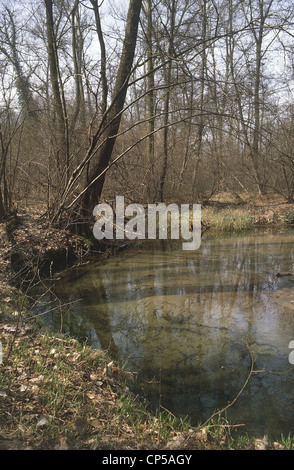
(10, 33)
(96, 178)
(77, 53)
(168, 77)
(59, 107)
(201, 126)
(150, 103)
(103, 56)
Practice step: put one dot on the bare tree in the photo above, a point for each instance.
(107, 131)
(59, 102)
(9, 41)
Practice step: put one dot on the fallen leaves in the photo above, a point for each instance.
(62, 444)
(261, 444)
(42, 423)
(45, 382)
(21, 330)
(176, 442)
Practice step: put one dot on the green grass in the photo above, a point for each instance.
(66, 381)
(227, 220)
(289, 217)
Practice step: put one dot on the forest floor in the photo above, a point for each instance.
(58, 394)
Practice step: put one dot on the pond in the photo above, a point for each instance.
(188, 321)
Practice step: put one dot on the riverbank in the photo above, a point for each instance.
(230, 213)
(58, 394)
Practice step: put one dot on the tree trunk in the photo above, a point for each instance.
(79, 114)
(60, 114)
(150, 104)
(9, 48)
(96, 178)
(168, 77)
(103, 56)
(201, 125)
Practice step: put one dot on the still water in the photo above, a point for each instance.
(184, 320)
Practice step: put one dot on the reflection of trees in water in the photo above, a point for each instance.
(215, 277)
(60, 317)
(183, 316)
(73, 319)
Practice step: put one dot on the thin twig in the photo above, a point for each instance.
(218, 413)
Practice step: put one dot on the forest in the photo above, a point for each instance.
(170, 101)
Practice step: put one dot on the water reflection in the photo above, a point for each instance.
(184, 318)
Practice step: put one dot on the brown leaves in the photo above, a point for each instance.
(56, 382)
(176, 442)
(21, 329)
(261, 444)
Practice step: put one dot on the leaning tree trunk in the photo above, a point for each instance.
(96, 178)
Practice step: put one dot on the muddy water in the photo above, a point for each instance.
(188, 323)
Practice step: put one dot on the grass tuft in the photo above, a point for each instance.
(227, 220)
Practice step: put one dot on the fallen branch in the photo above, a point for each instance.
(219, 412)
